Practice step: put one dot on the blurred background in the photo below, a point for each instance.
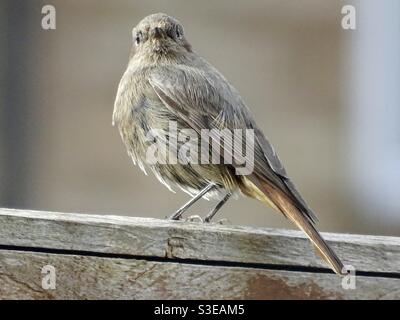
(327, 98)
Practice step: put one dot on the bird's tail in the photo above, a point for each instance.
(280, 201)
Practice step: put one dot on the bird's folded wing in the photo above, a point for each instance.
(205, 100)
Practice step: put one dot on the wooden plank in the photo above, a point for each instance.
(179, 240)
(83, 277)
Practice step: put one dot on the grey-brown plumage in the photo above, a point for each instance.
(167, 81)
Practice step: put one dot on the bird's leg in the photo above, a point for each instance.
(177, 215)
(217, 207)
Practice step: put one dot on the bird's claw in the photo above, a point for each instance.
(194, 218)
(197, 218)
(221, 221)
(224, 221)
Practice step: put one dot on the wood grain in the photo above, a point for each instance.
(182, 240)
(114, 257)
(81, 277)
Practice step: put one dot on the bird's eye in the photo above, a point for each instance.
(138, 38)
(178, 32)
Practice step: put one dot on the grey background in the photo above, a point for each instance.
(292, 62)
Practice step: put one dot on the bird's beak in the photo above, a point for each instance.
(157, 33)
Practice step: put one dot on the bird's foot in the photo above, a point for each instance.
(194, 218)
(176, 216)
(173, 218)
(224, 221)
(221, 221)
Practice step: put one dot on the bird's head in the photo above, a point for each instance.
(159, 35)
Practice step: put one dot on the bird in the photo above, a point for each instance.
(166, 82)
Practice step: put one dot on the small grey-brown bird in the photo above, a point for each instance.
(166, 81)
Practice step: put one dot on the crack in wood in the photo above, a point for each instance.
(170, 258)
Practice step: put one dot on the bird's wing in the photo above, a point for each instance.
(205, 100)
(208, 94)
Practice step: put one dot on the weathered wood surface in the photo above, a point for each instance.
(116, 257)
(102, 278)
